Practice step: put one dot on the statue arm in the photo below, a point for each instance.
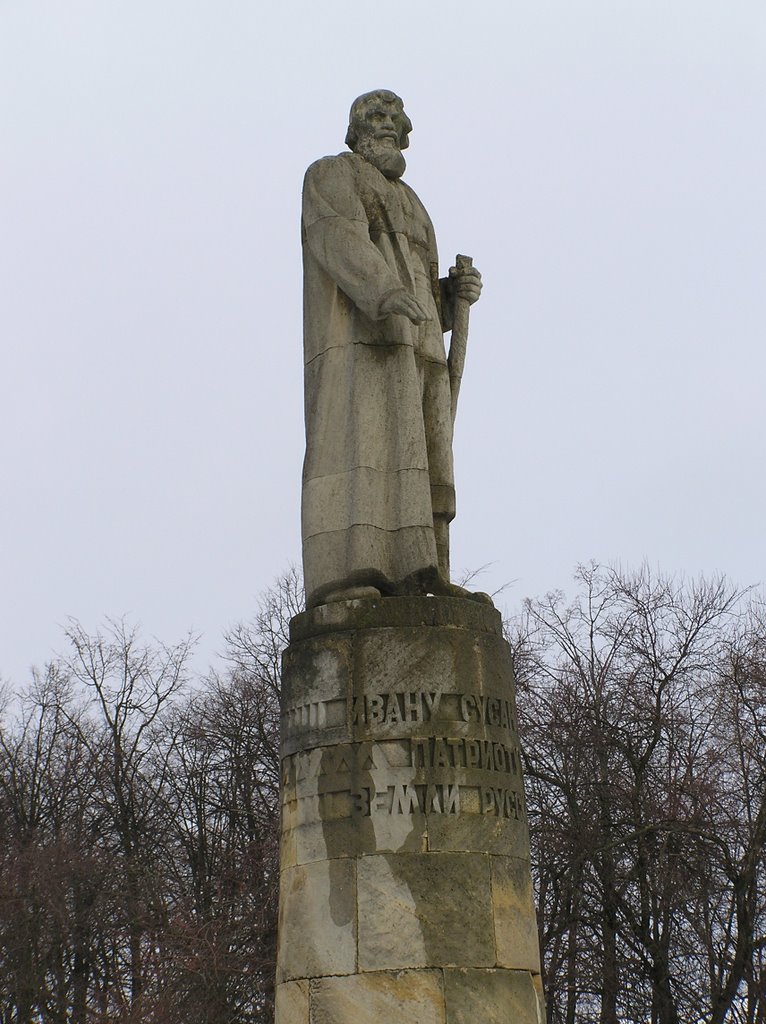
(336, 232)
(461, 283)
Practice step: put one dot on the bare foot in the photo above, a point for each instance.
(445, 589)
(437, 585)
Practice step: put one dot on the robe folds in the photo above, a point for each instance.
(378, 463)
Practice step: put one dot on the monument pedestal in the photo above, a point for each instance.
(405, 894)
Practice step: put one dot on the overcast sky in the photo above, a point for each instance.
(603, 162)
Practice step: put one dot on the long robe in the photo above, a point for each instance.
(378, 463)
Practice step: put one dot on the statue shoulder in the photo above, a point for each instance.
(342, 165)
(333, 186)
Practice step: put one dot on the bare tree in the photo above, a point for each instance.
(139, 819)
(130, 684)
(640, 832)
(140, 832)
(52, 882)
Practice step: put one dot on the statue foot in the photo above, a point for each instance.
(446, 589)
(350, 594)
(436, 584)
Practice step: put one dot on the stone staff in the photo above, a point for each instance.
(458, 338)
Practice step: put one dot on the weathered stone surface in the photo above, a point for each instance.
(490, 997)
(288, 849)
(322, 666)
(423, 910)
(316, 686)
(389, 660)
(292, 1002)
(317, 920)
(350, 838)
(515, 922)
(537, 982)
(348, 616)
(477, 832)
(403, 997)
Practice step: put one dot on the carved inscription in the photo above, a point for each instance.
(306, 716)
(445, 752)
(408, 798)
(392, 788)
(415, 706)
(422, 774)
(434, 798)
(408, 707)
(487, 710)
(395, 708)
(343, 757)
(504, 803)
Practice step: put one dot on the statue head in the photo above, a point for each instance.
(378, 130)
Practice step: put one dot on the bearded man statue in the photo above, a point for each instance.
(378, 484)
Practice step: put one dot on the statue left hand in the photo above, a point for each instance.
(466, 283)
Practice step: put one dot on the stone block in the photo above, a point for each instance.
(467, 833)
(291, 1004)
(537, 981)
(327, 772)
(288, 849)
(490, 997)
(425, 910)
(402, 997)
(355, 837)
(317, 920)
(495, 664)
(316, 685)
(515, 921)
(398, 677)
(343, 616)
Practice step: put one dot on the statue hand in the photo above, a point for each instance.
(403, 304)
(466, 283)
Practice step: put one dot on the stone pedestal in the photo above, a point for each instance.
(406, 895)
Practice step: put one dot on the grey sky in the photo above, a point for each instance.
(604, 164)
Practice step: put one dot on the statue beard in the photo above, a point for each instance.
(384, 154)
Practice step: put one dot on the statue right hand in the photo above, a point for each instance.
(403, 304)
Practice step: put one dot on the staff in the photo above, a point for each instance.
(458, 338)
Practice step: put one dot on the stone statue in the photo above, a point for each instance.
(378, 485)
